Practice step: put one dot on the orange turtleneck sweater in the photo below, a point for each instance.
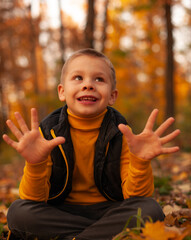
(136, 174)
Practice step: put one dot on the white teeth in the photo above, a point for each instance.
(87, 99)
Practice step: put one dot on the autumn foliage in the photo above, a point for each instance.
(134, 35)
(131, 33)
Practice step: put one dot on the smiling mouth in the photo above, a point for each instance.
(89, 99)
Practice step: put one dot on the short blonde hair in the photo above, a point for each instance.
(91, 52)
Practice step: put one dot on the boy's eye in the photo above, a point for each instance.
(78, 78)
(99, 79)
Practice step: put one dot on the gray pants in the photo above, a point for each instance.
(102, 221)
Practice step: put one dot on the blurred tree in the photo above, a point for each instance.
(90, 25)
(62, 45)
(34, 45)
(169, 82)
(3, 110)
(105, 22)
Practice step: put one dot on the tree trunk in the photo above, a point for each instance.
(89, 30)
(33, 50)
(3, 112)
(104, 33)
(61, 33)
(169, 84)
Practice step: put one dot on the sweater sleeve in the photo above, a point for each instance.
(35, 184)
(136, 174)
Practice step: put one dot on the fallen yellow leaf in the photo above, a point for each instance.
(157, 231)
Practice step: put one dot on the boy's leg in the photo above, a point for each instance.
(114, 220)
(29, 219)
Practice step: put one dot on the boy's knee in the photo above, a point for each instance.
(19, 215)
(149, 208)
(15, 214)
(152, 209)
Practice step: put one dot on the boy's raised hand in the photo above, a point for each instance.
(31, 145)
(149, 143)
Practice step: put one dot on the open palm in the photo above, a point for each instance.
(149, 144)
(31, 145)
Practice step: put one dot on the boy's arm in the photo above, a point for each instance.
(136, 174)
(35, 150)
(35, 183)
(136, 171)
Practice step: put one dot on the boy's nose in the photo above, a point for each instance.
(88, 85)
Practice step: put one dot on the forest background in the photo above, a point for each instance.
(149, 43)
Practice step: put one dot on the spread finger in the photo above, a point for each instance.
(34, 119)
(16, 132)
(21, 122)
(164, 126)
(170, 137)
(9, 141)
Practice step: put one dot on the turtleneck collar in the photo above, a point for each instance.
(85, 123)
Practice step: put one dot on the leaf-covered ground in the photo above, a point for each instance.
(172, 190)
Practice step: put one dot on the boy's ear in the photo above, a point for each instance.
(61, 93)
(113, 97)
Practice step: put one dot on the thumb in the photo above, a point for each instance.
(56, 141)
(125, 130)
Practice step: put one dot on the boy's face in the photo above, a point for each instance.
(87, 87)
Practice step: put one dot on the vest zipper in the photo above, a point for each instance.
(107, 148)
(109, 197)
(64, 156)
(67, 168)
(9, 235)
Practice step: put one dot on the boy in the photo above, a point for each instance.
(88, 173)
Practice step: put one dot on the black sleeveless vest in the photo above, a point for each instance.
(106, 160)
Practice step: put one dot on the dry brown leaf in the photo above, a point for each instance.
(168, 209)
(181, 218)
(3, 218)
